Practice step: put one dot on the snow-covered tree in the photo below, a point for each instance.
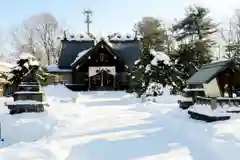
(154, 71)
(25, 65)
(140, 74)
(165, 72)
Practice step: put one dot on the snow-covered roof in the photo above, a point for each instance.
(207, 72)
(6, 67)
(79, 37)
(89, 37)
(81, 54)
(122, 37)
(55, 68)
(159, 56)
(3, 80)
(219, 60)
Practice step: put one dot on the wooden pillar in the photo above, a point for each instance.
(114, 81)
(101, 78)
(74, 76)
(89, 83)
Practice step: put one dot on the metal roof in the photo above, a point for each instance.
(207, 72)
(128, 51)
(70, 50)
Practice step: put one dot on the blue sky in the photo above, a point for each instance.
(108, 16)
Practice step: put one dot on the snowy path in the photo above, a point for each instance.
(115, 126)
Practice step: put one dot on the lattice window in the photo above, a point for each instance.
(95, 79)
(109, 79)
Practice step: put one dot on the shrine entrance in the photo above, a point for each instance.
(102, 78)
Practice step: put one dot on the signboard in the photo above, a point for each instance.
(212, 89)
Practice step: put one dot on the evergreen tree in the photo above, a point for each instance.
(195, 30)
(154, 71)
(193, 36)
(140, 74)
(165, 72)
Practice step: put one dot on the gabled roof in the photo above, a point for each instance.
(70, 50)
(87, 52)
(128, 51)
(208, 71)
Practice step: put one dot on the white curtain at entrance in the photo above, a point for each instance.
(95, 70)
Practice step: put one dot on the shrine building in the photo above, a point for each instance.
(89, 64)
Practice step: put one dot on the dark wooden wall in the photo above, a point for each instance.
(228, 76)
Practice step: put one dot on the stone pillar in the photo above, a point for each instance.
(213, 103)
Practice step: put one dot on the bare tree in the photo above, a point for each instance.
(22, 37)
(47, 30)
(231, 37)
(39, 33)
(4, 46)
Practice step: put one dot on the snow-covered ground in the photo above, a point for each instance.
(114, 126)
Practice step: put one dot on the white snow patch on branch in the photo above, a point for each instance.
(154, 89)
(137, 61)
(147, 68)
(158, 57)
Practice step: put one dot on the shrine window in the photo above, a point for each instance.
(101, 56)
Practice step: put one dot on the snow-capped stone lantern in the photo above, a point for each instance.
(28, 96)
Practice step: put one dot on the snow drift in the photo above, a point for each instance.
(114, 126)
(59, 92)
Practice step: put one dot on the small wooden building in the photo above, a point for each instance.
(5, 86)
(87, 64)
(220, 79)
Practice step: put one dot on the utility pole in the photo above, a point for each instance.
(88, 21)
(135, 33)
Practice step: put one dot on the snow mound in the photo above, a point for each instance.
(207, 110)
(60, 92)
(111, 122)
